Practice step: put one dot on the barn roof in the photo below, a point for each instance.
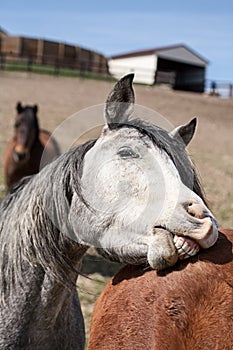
(169, 52)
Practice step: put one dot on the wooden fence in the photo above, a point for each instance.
(37, 52)
(51, 64)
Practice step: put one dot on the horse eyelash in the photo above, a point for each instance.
(127, 153)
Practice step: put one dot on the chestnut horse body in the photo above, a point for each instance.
(189, 306)
(30, 149)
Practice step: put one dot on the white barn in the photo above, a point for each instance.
(176, 65)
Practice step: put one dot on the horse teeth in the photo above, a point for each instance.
(185, 247)
(193, 251)
(180, 251)
(178, 245)
(178, 241)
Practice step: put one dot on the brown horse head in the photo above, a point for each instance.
(23, 155)
(26, 131)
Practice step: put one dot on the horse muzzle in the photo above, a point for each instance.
(190, 228)
(200, 226)
(206, 234)
(20, 156)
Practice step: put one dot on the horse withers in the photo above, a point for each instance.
(129, 194)
(23, 156)
(188, 307)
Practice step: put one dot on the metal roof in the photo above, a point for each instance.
(165, 52)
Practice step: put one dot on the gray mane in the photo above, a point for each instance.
(33, 217)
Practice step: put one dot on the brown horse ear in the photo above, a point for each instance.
(120, 102)
(35, 109)
(19, 107)
(185, 132)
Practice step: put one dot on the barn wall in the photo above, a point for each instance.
(28, 47)
(50, 52)
(11, 45)
(143, 66)
(69, 54)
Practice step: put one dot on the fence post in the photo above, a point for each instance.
(230, 90)
(213, 88)
(29, 64)
(57, 66)
(2, 61)
(82, 69)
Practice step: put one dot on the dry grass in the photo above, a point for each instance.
(211, 149)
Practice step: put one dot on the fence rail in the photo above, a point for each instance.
(219, 88)
(53, 64)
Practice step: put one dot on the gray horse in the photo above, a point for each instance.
(133, 194)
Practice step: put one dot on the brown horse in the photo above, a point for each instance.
(187, 307)
(24, 152)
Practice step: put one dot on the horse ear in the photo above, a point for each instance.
(19, 107)
(35, 109)
(120, 102)
(185, 132)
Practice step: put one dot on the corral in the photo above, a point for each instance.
(50, 53)
(211, 150)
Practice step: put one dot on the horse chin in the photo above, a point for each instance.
(162, 252)
(167, 248)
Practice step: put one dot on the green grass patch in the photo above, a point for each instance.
(52, 70)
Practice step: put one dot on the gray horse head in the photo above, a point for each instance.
(143, 202)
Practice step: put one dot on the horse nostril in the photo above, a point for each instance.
(21, 156)
(196, 210)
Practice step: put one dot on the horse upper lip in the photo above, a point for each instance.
(204, 238)
(214, 221)
(208, 234)
(160, 227)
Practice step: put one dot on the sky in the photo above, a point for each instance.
(113, 27)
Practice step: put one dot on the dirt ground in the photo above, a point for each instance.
(58, 98)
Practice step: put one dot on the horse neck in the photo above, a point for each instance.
(55, 301)
(39, 263)
(34, 236)
(44, 311)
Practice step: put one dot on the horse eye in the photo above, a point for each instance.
(127, 152)
(17, 124)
